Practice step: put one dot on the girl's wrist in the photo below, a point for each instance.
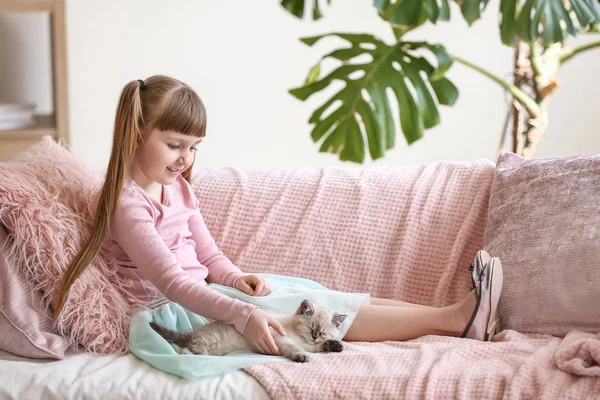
(236, 280)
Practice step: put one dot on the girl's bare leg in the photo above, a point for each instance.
(376, 301)
(376, 322)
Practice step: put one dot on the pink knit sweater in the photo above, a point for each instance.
(166, 249)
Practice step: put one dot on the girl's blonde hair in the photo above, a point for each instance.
(159, 102)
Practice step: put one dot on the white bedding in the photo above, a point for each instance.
(87, 376)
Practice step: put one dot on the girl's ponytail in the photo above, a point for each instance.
(127, 131)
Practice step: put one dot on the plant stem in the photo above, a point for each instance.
(568, 53)
(530, 104)
(398, 31)
(536, 61)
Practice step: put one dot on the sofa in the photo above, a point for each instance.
(403, 232)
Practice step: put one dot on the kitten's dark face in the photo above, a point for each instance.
(317, 324)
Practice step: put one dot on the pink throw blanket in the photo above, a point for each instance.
(405, 233)
(515, 366)
(579, 354)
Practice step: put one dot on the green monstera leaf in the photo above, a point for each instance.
(296, 8)
(412, 13)
(549, 20)
(361, 110)
(553, 20)
(405, 15)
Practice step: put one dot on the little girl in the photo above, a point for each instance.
(148, 211)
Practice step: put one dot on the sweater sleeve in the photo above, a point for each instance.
(220, 268)
(133, 228)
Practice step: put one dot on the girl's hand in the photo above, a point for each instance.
(253, 285)
(258, 335)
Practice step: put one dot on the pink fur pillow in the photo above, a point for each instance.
(44, 193)
(544, 224)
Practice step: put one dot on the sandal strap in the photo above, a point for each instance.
(478, 296)
(471, 268)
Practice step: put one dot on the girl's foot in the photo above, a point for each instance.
(485, 322)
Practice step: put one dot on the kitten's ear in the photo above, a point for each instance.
(338, 319)
(306, 308)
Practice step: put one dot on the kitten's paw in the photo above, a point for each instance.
(185, 350)
(300, 357)
(333, 346)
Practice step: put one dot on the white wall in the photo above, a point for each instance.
(243, 56)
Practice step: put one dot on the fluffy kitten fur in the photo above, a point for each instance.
(311, 329)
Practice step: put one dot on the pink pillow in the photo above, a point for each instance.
(25, 325)
(44, 193)
(544, 224)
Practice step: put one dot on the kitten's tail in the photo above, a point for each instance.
(178, 338)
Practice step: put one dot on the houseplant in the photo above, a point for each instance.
(413, 73)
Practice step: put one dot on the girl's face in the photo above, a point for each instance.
(163, 156)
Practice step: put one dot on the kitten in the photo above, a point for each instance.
(311, 329)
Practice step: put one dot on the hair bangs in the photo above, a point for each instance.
(184, 113)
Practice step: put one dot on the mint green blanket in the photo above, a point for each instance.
(287, 294)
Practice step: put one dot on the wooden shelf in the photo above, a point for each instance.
(26, 5)
(44, 126)
(57, 124)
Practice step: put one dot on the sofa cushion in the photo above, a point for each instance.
(25, 325)
(44, 193)
(544, 224)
